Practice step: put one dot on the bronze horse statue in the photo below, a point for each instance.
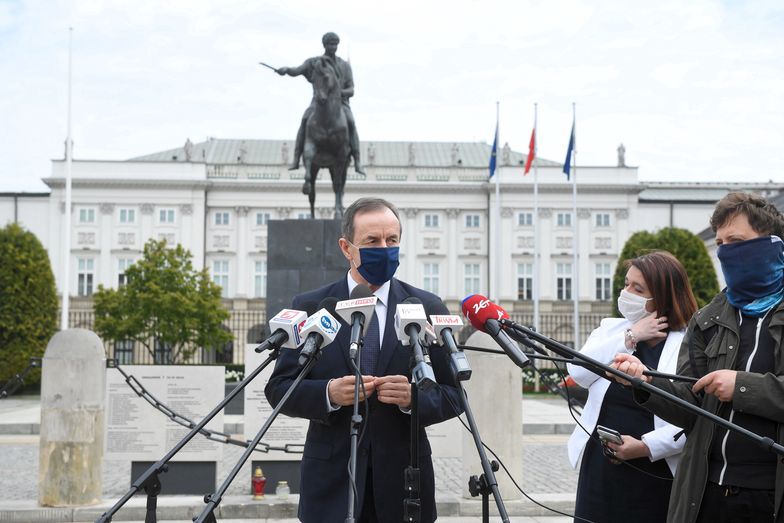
(327, 142)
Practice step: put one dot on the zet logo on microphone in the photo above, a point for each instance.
(329, 326)
(483, 304)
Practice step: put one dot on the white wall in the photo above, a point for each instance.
(29, 211)
(450, 193)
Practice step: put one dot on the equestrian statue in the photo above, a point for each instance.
(327, 136)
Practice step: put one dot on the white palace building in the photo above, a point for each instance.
(216, 198)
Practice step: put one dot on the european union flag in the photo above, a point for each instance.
(493, 153)
(568, 161)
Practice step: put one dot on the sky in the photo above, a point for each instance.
(694, 90)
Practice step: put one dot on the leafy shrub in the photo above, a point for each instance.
(682, 244)
(28, 302)
(165, 301)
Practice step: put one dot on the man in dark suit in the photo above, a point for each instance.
(370, 238)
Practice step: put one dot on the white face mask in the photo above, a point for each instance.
(632, 306)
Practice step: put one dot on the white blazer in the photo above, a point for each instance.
(602, 345)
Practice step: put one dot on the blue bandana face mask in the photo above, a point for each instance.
(378, 264)
(754, 272)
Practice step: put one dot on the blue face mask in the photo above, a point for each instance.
(754, 272)
(378, 264)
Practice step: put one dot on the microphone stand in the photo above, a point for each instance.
(412, 503)
(651, 373)
(214, 499)
(149, 480)
(524, 335)
(486, 483)
(356, 422)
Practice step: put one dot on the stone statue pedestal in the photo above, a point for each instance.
(73, 389)
(495, 393)
(302, 255)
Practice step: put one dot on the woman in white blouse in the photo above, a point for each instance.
(631, 481)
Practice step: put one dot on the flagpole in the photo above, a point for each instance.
(536, 223)
(495, 292)
(575, 239)
(490, 238)
(67, 222)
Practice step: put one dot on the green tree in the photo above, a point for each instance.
(28, 302)
(685, 246)
(164, 303)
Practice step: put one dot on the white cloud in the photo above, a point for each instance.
(692, 89)
(671, 75)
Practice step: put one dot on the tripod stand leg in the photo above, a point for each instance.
(152, 488)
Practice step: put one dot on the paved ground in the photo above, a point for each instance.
(547, 476)
(448, 519)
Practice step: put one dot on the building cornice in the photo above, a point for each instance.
(324, 185)
(24, 194)
(87, 183)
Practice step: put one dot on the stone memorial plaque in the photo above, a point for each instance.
(445, 438)
(284, 430)
(136, 431)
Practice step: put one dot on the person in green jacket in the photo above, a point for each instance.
(735, 346)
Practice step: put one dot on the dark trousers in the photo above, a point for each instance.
(368, 513)
(723, 504)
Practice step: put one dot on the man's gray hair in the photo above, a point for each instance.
(363, 205)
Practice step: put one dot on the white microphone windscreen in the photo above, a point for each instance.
(443, 321)
(323, 323)
(290, 321)
(346, 308)
(406, 315)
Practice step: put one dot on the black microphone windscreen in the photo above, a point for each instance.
(329, 303)
(412, 300)
(310, 307)
(436, 308)
(361, 291)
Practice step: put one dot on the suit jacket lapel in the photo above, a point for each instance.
(390, 342)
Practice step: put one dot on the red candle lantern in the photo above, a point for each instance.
(257, 482)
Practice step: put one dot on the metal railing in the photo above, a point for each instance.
(246, 326)
(249, 326)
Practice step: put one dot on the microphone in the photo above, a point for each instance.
(484, 315)
(443, 323)
(318, 330)
(410, 320)
(285, 327)
(354, 311)
(310, 307)
(429, 336)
